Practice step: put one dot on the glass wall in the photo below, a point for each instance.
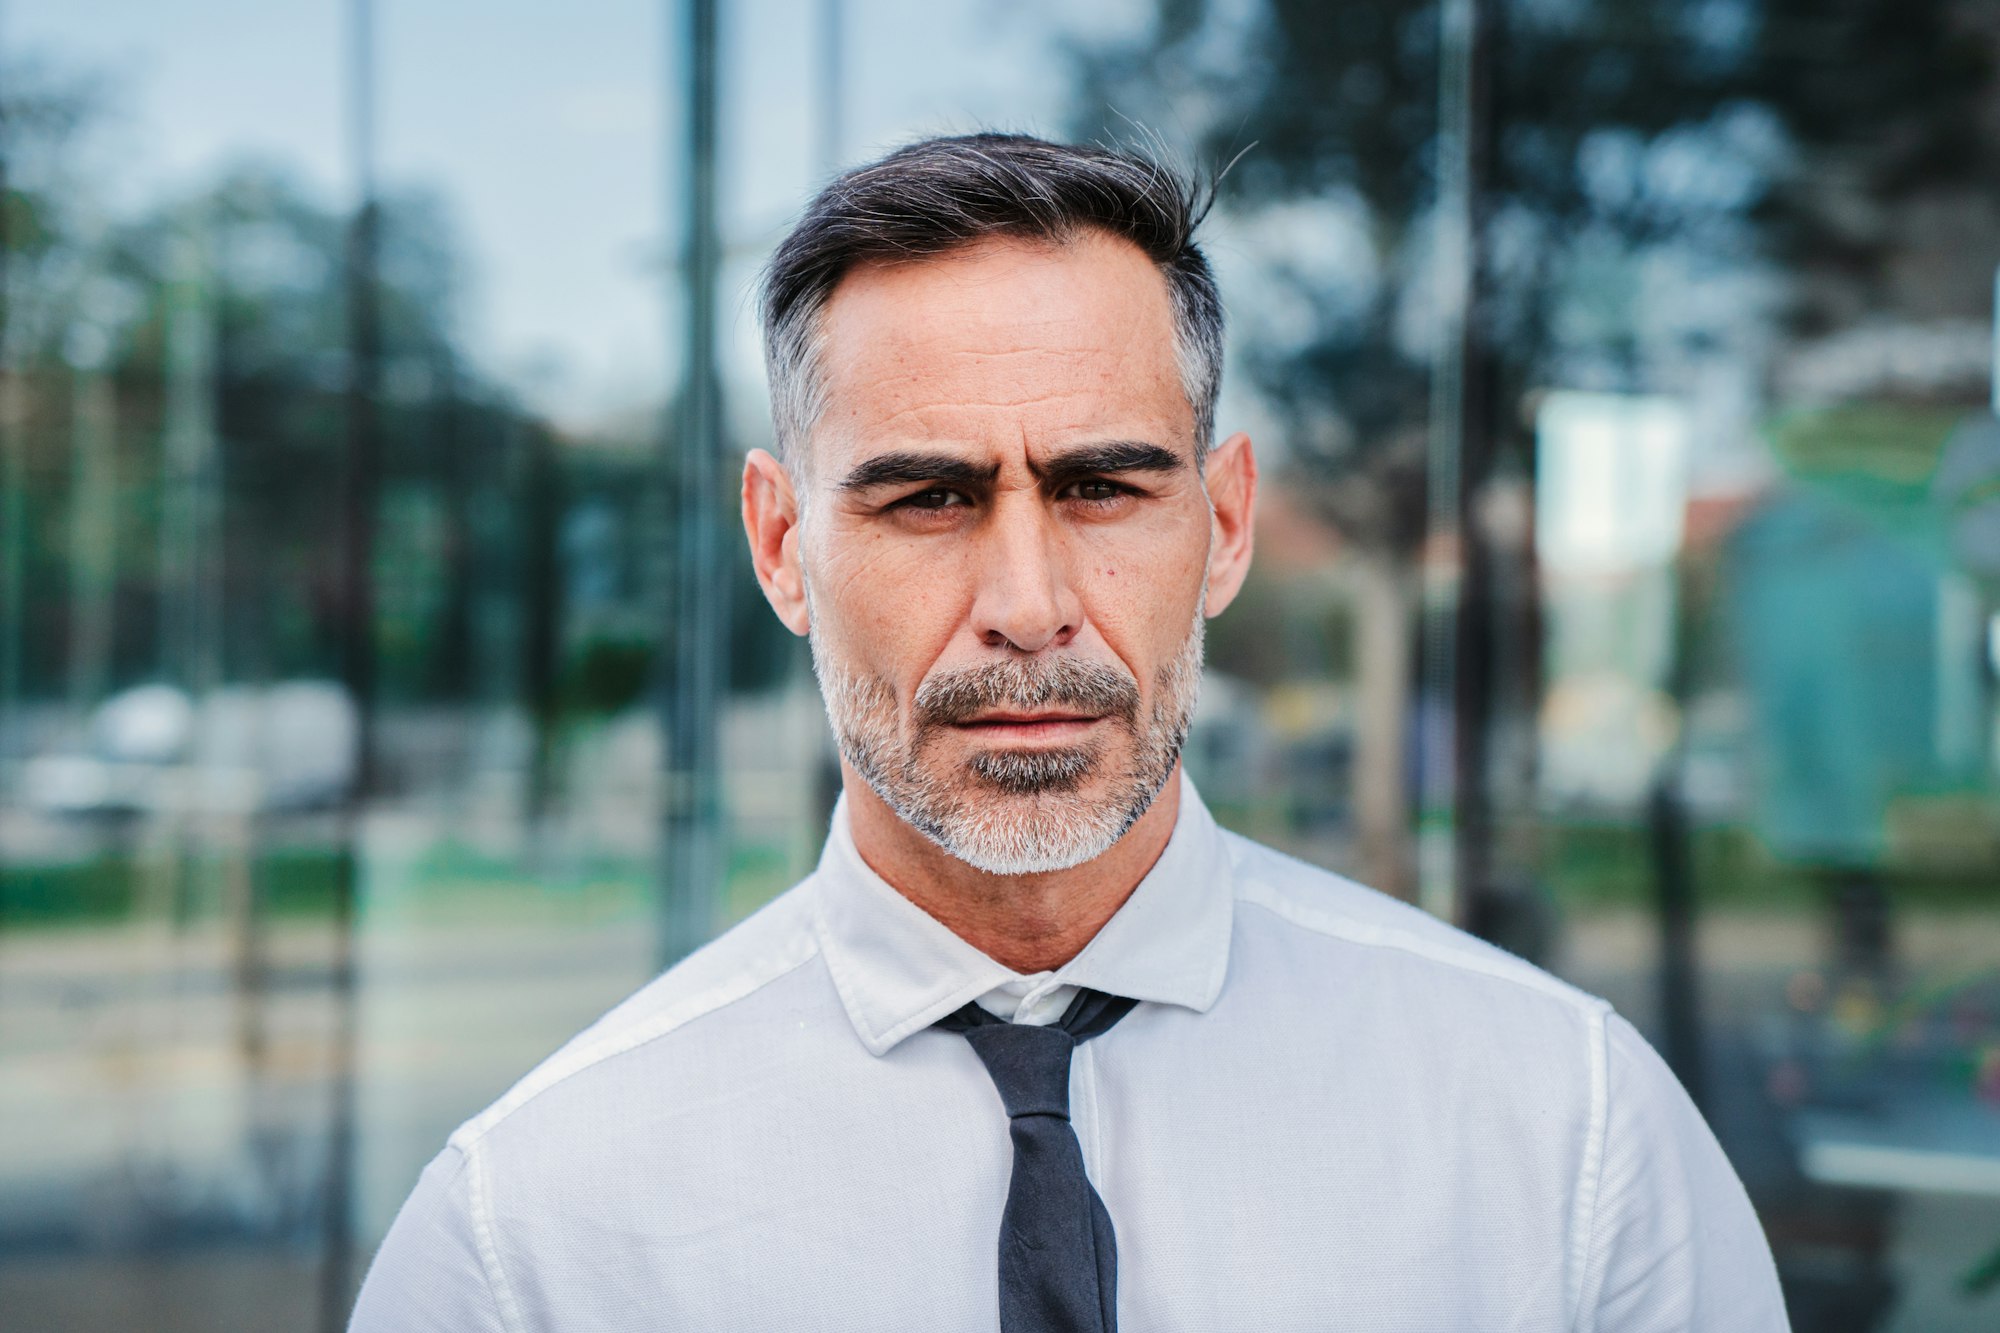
(384, 693)
(336, 363)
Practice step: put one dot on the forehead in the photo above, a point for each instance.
(1004, 342)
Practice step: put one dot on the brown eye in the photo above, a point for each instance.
(935, 498)
(1097, 490)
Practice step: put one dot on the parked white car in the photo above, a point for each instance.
(288, 746)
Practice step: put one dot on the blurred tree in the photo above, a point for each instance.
(1627, 153)
(268, 269)
(45, 221)
(46, 210)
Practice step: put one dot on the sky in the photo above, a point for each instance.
(552, 133)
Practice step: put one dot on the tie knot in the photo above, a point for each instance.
(1029, 1065)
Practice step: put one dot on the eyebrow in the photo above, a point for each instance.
(1114, 456)
(904, 466)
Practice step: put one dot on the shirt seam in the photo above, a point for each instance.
(497, 1286)
(710, 1001)
(1255, 893)
(1097, 1153)
(1590, 1171)
(1585, 1205)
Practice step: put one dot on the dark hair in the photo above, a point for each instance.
(940, 195)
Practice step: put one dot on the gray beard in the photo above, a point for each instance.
(1015, 812)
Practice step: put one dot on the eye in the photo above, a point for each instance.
(1094, 491)
(937, 497)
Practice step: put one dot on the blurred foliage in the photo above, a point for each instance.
(1599, 864)
(608, 673)
(513, 559)
(291, 883)
(1278, 629)
(449, 882)
(1763, 135)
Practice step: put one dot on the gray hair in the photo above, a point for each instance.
(940, 195)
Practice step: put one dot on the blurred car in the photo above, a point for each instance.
(289, 746)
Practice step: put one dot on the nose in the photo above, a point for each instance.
(1024, 598)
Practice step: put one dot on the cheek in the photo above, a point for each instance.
(1141, 588)
(888, 613)
(1167, 543)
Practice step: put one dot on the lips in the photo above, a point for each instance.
(1026, 719)
(1029, 729)
(1026, 698)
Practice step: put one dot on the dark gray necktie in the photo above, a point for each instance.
(1058, 1256)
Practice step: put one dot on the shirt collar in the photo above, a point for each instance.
(898, 969)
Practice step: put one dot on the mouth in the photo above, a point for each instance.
(1028, 728)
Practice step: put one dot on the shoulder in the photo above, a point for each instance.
(1436, 1016)
(732, 971)
(1318, 909)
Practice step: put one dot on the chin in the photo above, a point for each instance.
(1002, 841)
(1001, 822)
(1037, 772)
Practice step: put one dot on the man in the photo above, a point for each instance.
(1039, 1046)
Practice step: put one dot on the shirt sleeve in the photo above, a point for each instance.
(429, 1274)
(1674, 1246)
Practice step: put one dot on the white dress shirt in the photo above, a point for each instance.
(1329, 1111)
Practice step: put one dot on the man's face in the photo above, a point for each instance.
(1006, 547)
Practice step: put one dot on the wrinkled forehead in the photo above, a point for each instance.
(1009, 343)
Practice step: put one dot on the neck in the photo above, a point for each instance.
(1030, 923)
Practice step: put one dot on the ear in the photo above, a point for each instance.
(1232, 496)
(771, 522)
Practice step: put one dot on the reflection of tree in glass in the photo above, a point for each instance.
(1787, 131)
(1662, 188)
(41, 293)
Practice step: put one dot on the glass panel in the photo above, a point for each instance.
(247, 984)
(174, 739)
(1741, 273)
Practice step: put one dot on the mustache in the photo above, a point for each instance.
(1029, 682)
